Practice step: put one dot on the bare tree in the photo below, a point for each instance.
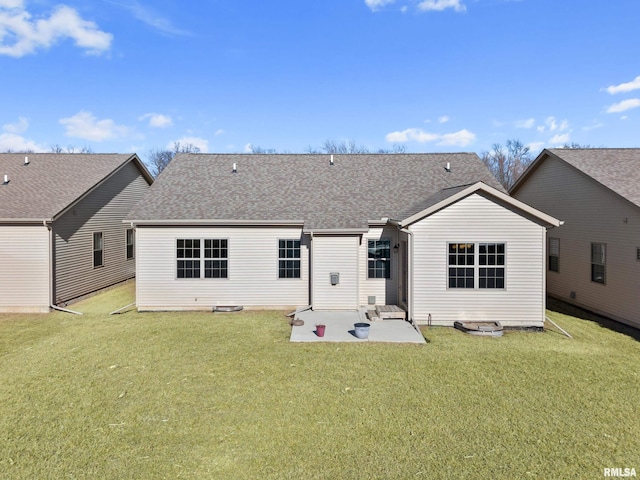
(258, 150)
(57, 148)
(159, 158)
(574, 145)
(350, 147)
(507, 164)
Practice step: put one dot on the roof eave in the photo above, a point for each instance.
(213, 222)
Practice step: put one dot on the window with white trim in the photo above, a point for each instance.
(554, 254)
(98, 249)
(476, 264)
(202, 258)
(379, 258)
(288, 258)
(598, 262)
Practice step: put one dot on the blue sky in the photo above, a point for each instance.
(433, 75)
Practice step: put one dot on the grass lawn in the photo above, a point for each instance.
(202, 395)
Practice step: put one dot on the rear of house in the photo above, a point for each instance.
(61, 230)
(594, 258)
(340, 233)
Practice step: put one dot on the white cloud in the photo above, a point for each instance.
(219, 132)
(535, 146)
(552, 125)
(17, 143)
(559, 139)
(625, 87)
(461, 138)
(20, 126)
(376, 4)
(595, 124)
(157, 120)
(20, 35)
(248, 148)
(624, 105)
(443, 119)
(528, 123)
(440, 5)
(201, 143)
(86, 126)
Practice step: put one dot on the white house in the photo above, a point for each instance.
(432, 233)
(594, 258)
(61, 230)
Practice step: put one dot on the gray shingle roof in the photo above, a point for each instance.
(50, 182)
(616, 168)
(269, 188)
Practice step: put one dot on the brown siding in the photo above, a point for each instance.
(101, 211)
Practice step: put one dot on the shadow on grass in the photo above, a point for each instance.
(564, 308)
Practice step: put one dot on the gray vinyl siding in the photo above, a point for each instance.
(384, 289)
(252, 270)
(339, 254)
(477, 219)
(24, 268)
(592, 214)
(101, 211)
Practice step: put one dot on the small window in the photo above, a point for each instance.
(129, 243)
(98, 250)
(379, 254)
(638, 253)
(215, 258)
(598, 262)
(288, 258)
(188, 253)
(554, 254)
(491, 260)
(461, 265)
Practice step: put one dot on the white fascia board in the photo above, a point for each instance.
(479, 186)
(215, 222)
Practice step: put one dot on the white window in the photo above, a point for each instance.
(289, 258)
(193, 261)
(379, 259)
(481, 264)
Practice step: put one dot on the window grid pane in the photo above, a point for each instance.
(130, 248)
(461, 255)
(379, 259)
(215, 258)
(289, 258)
(188, 249)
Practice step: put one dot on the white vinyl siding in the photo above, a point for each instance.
(384, 289)
(335, 254)
(592, 214)
(24, 268)
(479, 220)
(252, 270)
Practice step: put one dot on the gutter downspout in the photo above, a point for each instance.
(50, 255)
(409, 273)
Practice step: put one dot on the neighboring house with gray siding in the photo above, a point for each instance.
(594, 258)
(435, 234)
(61, 230)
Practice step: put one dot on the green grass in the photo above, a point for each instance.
(202, 395)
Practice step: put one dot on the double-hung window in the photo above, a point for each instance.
(98, 250)
(198, 257)
(379, 259)
(202, 258)
(598, 262)
(476, 264)
(289, 258)
(554, 254)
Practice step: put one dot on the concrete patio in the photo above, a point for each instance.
(340, 328)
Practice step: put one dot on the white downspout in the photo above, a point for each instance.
(409, 273)
(50, 255)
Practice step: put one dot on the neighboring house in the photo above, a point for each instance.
(432, 233)
(594, 259)
(61, 230)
